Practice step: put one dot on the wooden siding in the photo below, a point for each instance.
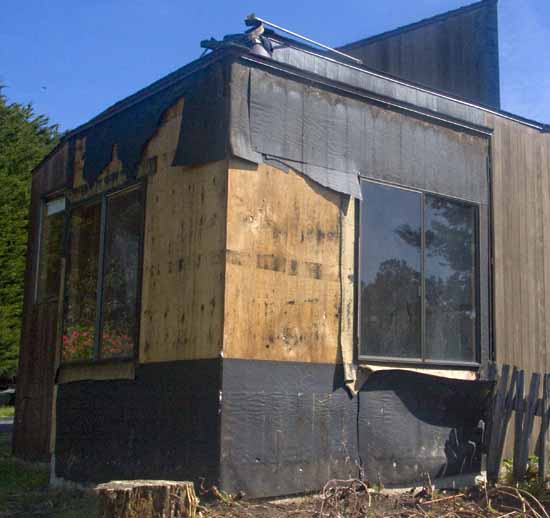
(183, 263)
(521, 194)
(456, 52)
(35, 378)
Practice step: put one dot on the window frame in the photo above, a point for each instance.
(102, 199)
(422, 361)
(44, 200)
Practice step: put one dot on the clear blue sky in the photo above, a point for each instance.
(72, 59)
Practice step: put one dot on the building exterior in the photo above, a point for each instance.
(273, 267)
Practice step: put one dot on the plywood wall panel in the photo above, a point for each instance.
(184, 254)
(282, 278)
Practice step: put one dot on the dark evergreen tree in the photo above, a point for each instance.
(25, 138)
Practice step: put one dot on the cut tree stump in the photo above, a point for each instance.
(147, 499)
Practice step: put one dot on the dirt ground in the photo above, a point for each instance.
(352, 499)
(24, 493)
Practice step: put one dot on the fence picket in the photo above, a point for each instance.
(519, 407)
(530, 407)
(544, 445)
(494, 453)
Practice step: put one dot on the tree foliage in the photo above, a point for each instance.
(25, 138)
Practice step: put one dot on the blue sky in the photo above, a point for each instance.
(73, 59)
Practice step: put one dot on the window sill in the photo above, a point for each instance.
(103, 371)
(451, 370)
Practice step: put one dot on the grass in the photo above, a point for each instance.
(24, 491)
(7, 411)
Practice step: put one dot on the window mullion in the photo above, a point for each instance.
(100, 269)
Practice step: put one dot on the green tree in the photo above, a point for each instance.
(25, 138)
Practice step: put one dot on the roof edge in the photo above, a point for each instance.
(142, 94)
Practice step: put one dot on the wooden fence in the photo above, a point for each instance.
(510, 398)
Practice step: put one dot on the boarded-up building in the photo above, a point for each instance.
(274, 267)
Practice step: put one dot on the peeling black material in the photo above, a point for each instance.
(411, 424)
(203, 132)
(162, 425)
(280, 428)
(333, 139)
(289, 427)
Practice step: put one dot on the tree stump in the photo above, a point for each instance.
(147, 499)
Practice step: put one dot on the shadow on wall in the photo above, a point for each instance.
(413, 425)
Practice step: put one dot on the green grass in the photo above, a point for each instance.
(24, 491)
(7, 411)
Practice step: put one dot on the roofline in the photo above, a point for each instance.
(545, 128)
(231, 50)
(363, 94)
(148, 91)
(417, 25)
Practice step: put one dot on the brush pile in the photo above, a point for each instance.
(354, 499)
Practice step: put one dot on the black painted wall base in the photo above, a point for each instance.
(162, 425)
(289, 427)
(286, 427)
(280, 428)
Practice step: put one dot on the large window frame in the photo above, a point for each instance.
(103, 200)
(422, 360)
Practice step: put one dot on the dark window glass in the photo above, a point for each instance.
(121, 269)
(450, 260)
(51, 243)
(81, 289)
(390, 272)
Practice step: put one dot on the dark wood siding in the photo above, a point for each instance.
(36, 371)
(456, 52)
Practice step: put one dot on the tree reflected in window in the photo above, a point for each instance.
(113, 252)
(51, 243)
(81, 292)
(450, 280)
(413, 244)
(121, 268)
(390, 272)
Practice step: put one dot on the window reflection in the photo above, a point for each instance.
(80, 316)
(450, 280)
(413, 245)
(121, 268)
(51, 242)
(390, 272)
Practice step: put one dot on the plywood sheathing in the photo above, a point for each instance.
(282, 273)
(183, 261)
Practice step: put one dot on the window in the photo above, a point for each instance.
(50, 249)
(104, 258)
(418, 272)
